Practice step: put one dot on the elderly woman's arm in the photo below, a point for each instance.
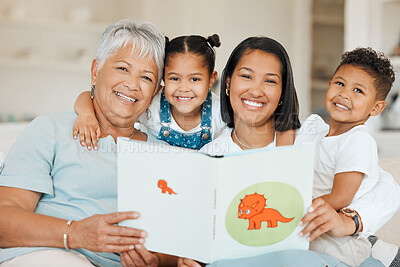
(16, 210)
(21, 227)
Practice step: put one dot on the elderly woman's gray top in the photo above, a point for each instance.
(76, 183)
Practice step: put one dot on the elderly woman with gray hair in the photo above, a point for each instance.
(56, 199)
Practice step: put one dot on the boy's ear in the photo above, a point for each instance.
(213, 78)
(378, 108)
(93, 71)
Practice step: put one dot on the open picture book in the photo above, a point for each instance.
(209, 208)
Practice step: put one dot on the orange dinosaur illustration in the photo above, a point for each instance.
(164, 187)
(252, 207)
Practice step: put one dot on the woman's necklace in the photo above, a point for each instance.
(133, 133)
(243, 145)
(237, 139)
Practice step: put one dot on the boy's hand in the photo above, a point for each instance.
(89, 131)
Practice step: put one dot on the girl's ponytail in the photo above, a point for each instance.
(213, 40)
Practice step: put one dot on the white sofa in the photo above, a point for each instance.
(9, 132)
(390, 232)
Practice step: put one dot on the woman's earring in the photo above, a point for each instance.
(280, 103)
(227, 91)
(92, 91)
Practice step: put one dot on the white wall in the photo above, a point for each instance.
(45, 88)
(374, 23)
(287, 21)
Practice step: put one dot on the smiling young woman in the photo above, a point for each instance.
(258, 97)
(255, 90)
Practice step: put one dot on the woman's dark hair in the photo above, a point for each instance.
(195, 44)
(286, 115)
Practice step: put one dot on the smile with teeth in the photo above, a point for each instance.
(253, 104)
(341, 106)
(127, 98)
(184, 98)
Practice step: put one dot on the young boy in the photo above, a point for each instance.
(346, 165)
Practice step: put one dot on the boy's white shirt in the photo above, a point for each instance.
(375, 207)
(151, 119)
(352, 151)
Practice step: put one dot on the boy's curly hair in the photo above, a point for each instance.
(375, 64)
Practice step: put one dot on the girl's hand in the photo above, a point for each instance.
(322, 218)
(89, 131)
(139, 256)
(99, 233)
(184, 262)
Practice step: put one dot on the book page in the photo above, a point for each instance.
(173, 189)
(261, 197)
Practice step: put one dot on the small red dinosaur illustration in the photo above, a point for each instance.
(164, 187)
(252, 207)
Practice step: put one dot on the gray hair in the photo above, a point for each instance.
(144, 37)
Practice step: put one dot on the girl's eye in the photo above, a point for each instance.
(340, 83)
(147, 78)
(122, 68)
(174, 79)
(358, 90)
(270, 81)
(245, 76)
(194, 79)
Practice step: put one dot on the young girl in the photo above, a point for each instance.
(185, 113)
(258, 98)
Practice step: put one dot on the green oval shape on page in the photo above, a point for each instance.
(264, 213)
